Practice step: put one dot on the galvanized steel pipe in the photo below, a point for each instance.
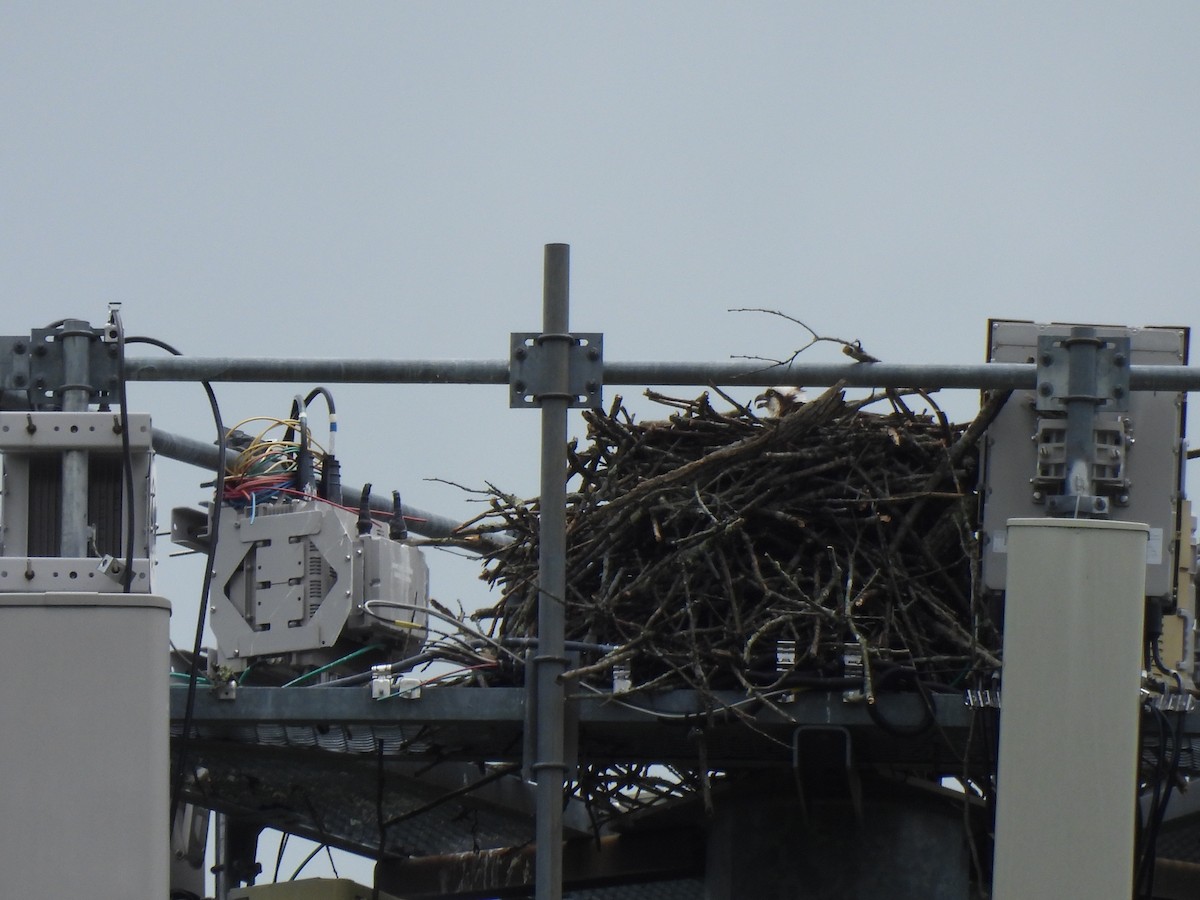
(550, 768)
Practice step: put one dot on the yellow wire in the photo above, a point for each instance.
(260, 448)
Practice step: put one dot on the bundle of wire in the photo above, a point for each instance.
(267, 467)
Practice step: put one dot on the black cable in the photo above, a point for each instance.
(307, 860)
(363, 677)
(1158, 812)
(1163, 775)
(279, 859)
(126, 454)
(928, 714)
(197, 646)
(321, 392)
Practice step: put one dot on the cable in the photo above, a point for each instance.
(337, 662)
(699, 714)
(307, 860)
(206, 586)
(491, 664)
(126, 451)
(312, 395)
(368, 608)
(279, 858)
(928, 714)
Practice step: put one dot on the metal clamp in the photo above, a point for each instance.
(981, 699)
(1054, 372)
(36, 365)
(530, 377)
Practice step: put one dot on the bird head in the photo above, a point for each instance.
(779, 401)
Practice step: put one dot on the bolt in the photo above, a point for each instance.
(593, 354)
(1123, 499)
(1118, 391)
(1045, 389)
(1119, 360)
(518, 387)
(19, 348)
(521, 353)
(1047, 359)
(1038, 496)
(591, 386)
(39, 350)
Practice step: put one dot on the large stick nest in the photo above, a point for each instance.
(723, 549)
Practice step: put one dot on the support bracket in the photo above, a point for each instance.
(1054, 371)
(531, 379)
(35, 365)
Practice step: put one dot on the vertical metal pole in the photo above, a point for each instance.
(76, 395)
(1082, 347)
(221, 857)
(550, 662)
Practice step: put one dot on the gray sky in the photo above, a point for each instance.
(378, 180)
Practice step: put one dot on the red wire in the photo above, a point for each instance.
(377, 513)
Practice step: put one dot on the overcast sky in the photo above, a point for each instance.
(378, 181)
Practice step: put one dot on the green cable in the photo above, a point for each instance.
(336, 662)
(185, 676)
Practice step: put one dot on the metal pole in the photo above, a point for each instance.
(76, 395)
(987, 376)
(550, 662)
(728, 373)
(221, 857)
(1082, 348)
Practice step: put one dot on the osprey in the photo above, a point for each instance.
(779, 401)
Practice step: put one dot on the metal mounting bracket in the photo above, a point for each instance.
(530, 378)
(35, 365)
(1053, 373)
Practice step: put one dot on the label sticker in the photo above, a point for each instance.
(1154, 547)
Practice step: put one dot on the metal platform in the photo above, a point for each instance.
(446, 768)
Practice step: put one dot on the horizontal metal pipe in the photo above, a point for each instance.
(991, 376)
(457, 371)
(755, 374)
(336, 371)
(428, 524)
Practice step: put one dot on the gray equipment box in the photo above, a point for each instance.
(1139, 449)
(295, 583)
